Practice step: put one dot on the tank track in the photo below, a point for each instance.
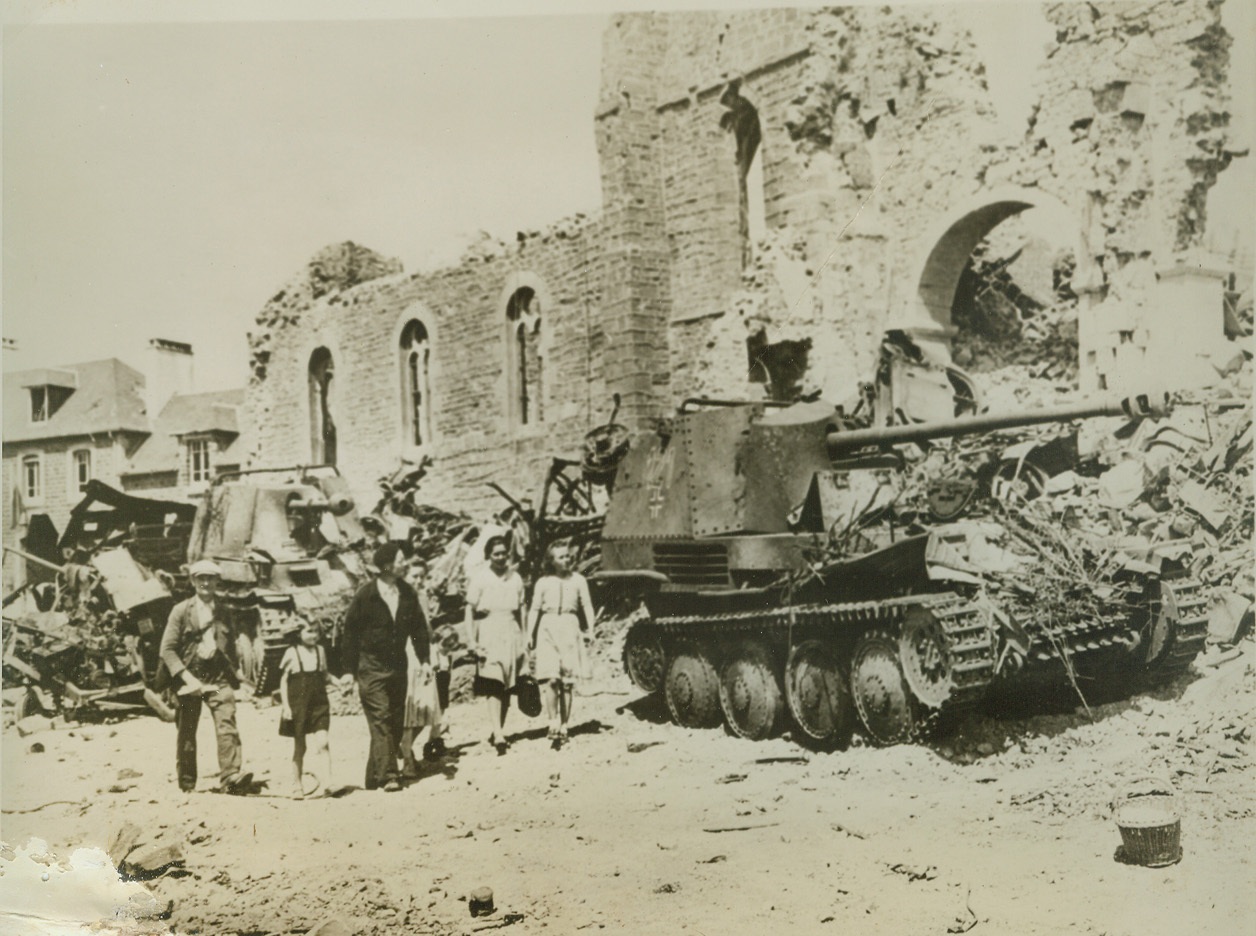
(965, 632)
(1078, 638)
(1110, 625)
(273, 626)
(971, 647)
(1116, 626)
(1190, 628)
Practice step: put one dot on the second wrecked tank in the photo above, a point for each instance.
(794, 568)
(285, 539)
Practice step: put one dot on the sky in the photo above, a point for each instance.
(165, 179)
(167, 167)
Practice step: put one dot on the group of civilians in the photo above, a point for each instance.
(388, 651)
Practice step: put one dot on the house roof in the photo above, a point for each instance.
(109, 397)
(187, 414)
(201, 412)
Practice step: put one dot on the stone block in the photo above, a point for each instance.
(332, 926)
(33, 723)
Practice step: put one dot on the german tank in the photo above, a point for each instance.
(797, 571)
(285, 539)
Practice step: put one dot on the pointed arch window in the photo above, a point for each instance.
(742, 120)
(416, 355)
(524, 362)
(322, 425)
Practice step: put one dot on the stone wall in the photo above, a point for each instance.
(356, 304)
(870, 118)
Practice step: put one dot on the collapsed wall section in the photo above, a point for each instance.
(1130, 132)
(884, 167)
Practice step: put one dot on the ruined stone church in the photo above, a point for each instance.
(779, 188)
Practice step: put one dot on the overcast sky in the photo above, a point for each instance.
(163, 176)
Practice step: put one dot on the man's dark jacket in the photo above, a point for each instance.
(371, 632)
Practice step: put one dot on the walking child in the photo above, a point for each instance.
(306, 714)
(559, 600)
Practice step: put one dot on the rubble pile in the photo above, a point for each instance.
(87, 642)
(999, 325)
(400, 514)
(438, 537)
(1044, 341)
(1069, 529)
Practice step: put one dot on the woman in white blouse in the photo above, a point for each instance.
(554, 623)
(493, 619)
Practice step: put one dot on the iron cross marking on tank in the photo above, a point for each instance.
(658, 478)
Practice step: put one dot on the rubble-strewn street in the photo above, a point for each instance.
(641, 826)
(864, 443)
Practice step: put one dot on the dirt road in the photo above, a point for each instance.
(643, 827)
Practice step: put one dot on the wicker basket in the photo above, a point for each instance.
(1151, 831)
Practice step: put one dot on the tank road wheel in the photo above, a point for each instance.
(691, 688)
(880, 691)
(28, 704)
(644, 660)
(750, 693)
(817, 693)
(924, 658)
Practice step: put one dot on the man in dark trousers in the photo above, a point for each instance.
(198, 650)
(383, 615)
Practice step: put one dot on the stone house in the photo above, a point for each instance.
(779, 188)
(68, 425)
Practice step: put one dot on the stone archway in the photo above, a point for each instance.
(943, 252)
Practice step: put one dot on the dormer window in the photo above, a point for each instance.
(39, 404)
(46, 400)
(49, 388)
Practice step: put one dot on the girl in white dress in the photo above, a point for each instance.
(554, 623)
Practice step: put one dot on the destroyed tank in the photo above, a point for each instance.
(783, 584)
(286, 540)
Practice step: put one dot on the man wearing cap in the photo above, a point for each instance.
(383, 615)
(198, 649)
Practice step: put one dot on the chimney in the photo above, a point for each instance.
(168, 372)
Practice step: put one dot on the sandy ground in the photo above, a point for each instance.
(1004, 828)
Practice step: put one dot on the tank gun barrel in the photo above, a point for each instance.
(843, 443)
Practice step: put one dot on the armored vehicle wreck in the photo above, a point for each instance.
(285, 539)
(792, 564)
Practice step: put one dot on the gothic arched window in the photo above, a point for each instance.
(742, 120)
(523, 357)
(416, 407)
(322, 426)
